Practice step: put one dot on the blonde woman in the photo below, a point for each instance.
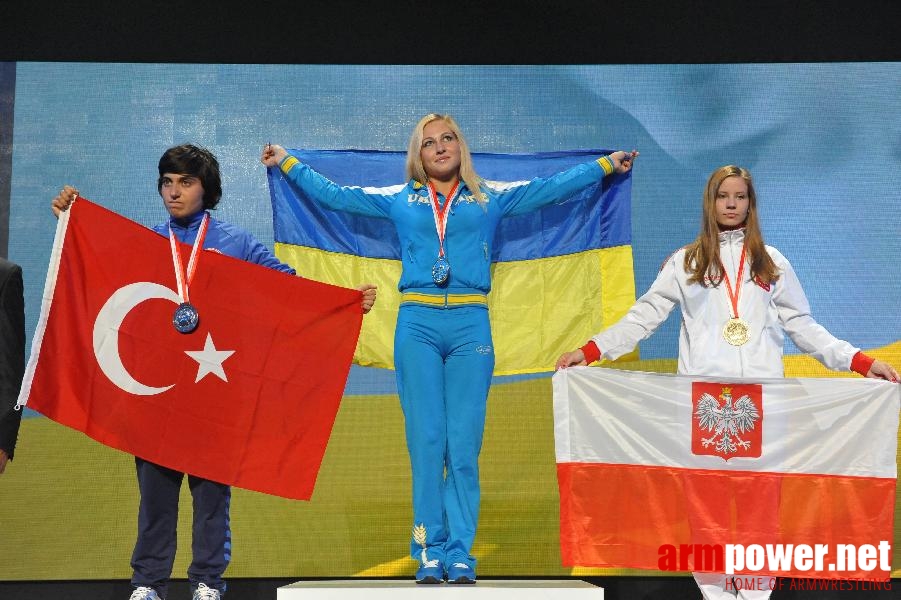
(445, 218)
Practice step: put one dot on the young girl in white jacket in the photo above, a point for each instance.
(739, 297)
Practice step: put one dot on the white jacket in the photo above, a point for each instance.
(771, 313)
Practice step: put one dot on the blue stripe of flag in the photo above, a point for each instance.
(599, 217)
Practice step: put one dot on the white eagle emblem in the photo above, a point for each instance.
(726, 421)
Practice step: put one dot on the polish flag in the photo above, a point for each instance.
(646, 460)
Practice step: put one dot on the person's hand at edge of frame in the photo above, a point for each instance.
(623, 161)
(63, 200)
(272, 155)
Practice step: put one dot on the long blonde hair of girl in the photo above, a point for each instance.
(702, 257)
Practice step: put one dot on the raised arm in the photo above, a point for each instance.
(542, 192)
(303, 178)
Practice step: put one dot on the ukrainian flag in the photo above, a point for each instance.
(559, 275)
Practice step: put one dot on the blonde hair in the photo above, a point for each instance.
(415, 169)
(702, 257)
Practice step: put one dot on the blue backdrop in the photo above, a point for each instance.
(822, 140)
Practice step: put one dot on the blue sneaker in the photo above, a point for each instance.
(460, 572)
(430, 572)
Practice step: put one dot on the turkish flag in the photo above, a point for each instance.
(247, 399)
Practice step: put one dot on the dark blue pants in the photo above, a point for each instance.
(154, 551)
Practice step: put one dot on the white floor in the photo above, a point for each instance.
(495, 589)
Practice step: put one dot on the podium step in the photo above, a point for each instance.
(492, 589)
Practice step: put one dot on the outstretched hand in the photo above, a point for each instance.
(881, 370)
(272, 155)
(622, 161)
(570, 359)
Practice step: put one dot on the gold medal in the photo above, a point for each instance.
(737, 332)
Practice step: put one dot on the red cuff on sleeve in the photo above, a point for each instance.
(861, 363)
(592, 352)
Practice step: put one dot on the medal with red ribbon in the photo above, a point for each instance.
(186, 317)
(441, 268)
(737, 331)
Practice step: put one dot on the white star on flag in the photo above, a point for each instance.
(209, 360)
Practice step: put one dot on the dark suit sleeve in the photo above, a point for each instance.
(12, 352)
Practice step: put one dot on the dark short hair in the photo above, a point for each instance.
(188, 159)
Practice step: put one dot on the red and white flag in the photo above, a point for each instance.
(646, 460)
(247, 399)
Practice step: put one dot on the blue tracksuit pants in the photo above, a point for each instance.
(444, 359)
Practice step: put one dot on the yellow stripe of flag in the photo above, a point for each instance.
(539, 308)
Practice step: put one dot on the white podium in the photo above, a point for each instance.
(489, 589)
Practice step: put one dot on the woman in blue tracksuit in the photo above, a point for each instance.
(445, 217)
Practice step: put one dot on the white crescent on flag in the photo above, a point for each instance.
(106, 333)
